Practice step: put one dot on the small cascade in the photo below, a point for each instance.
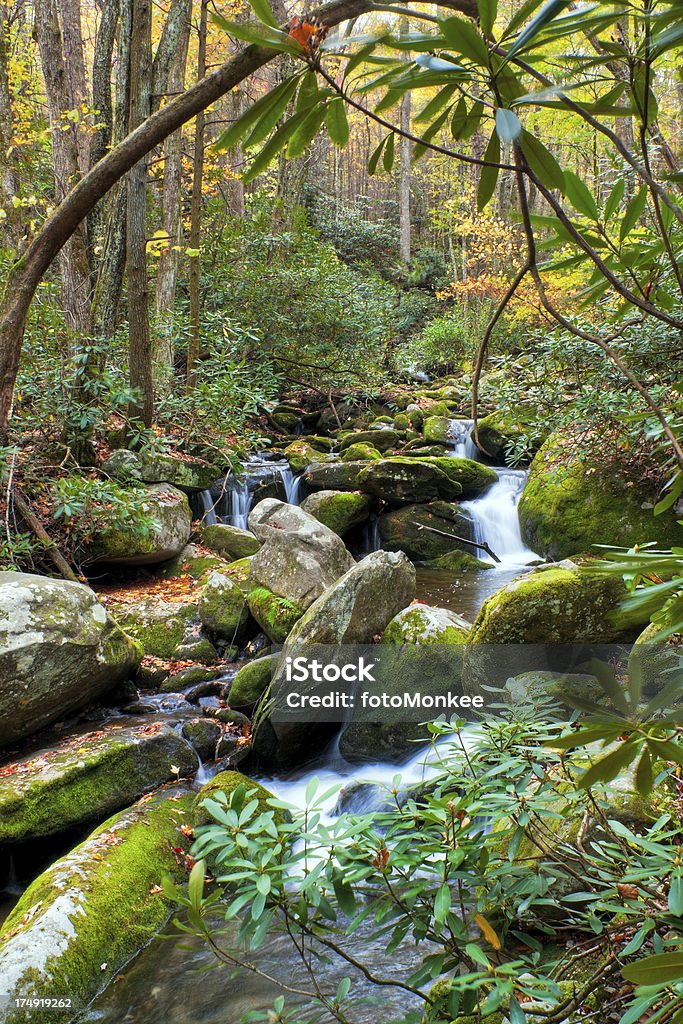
(209, 517)
(371, 538)
(496, 522)
(291, 484)
(459, 436)
(204, 773)
(238, 502)
(258, 470)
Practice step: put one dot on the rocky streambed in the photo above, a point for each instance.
(122, 699)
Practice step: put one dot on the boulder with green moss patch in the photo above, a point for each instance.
(383, 439)
(89, 778)
(160, 626)
(275, 615)
(223, 609)
(573, 501)
(301, 454)
(437, 429)
(122, 543)
(299, 557)
(425, 532)
(458, 561)
(361, 452)
(401, 481)
(59, 650)
(85, 917)
(338, 510)
(193, 562)
(424, 624)
(189, 475)
(230, 541)
(501, 429)
(473, 477)
(222, 787)
(336, 476)
(250, 683)
(240, 573)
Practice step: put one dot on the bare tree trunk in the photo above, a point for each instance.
(66, 153)
(103, 109)
(9, 179)
(404, 177)
(172, 226)
(140, 346)
(74, 65)
(196, 212)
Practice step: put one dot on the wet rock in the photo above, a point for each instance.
(88, 778)
(338, 510)
(410, 530)
(194, 676)
(189, 475)
(400, 481)
(59, 650)
(223, 609)
(275, 615)
(250, 683)
(501, 429)
(337, 476)
(78, 923)
(384, 438)
(230, 541)
(202, 734)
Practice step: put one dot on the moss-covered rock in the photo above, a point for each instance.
(300, 454)
(121, 543)
(240, 573)
(202, 734)
(423, 624)
(383, 439)
(275, 615)
(502, 428)
(573, 501)
(230, 541)
(459, 561)
(402, 421)
(473, 477)
(160, 626)
(223, 609)
(361, 452)
(437, 429)
(410, 529)
(193, 562)
(189, 475)
(401, 481)
(89, 778)
(221, 788)
(77, 925)
(58, 650)
(338, 510)
(250, 683)
(336, 476)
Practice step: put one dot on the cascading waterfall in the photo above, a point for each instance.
(496, 522)
(234, 504)
(459, 437)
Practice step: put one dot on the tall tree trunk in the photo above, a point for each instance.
(103, 113)
(172, 227)
(405, 157)
(66, 154)
(9, 179)
(196, 212)
(139, 340)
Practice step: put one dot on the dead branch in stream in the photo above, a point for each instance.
(483, 546)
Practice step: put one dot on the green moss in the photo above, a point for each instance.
(159, 627)
(473, 477)
(300, 455)
(573, 501)
(382, 439)
(402, 530)
(250, 683)
(230, 540)
(223, 609)
(360, 452)
(338, 510)
(111, 880)
(402, 421)
(421, 624)
(275, 615)
(192, 564)
(402, 480)
(459, 561)
(240, 573)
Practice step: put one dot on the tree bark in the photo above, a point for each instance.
(9, 178)
(25, 276)
(139, 339)
(102, 109)
(194, 283)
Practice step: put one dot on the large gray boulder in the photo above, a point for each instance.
(223, 608)
(355, 610)
(299, 557)
(120, 544)
(59, 650)
(402, 481)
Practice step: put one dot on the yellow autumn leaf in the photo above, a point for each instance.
(487, 931)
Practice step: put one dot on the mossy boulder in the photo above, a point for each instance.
(203, 735)
(402, 421)
(240, 573)
(502, 428)
(250, 683)
(160, 627)
(384, 438)
(410, 530)
(473, 477)
(193, 562)
(230, 541)
(86, 780)
(574, 501)
(80, 921)
(338, 510)
(457, 561)
(335, 476)
(437, 429)
(120, 543)
(401, 481)
(301, 454)
(187, 474)
(59, 650)
(361, 452)
(424, 624)
(224, 785)
(275, 615)
(299, 557)
(223, 609)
